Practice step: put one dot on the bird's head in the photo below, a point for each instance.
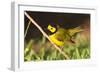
(52, 28)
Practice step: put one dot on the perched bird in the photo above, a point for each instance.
(60, 35)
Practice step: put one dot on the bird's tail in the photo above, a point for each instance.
(75, 30)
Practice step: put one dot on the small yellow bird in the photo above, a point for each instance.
(61, 35)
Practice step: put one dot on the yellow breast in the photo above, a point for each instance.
(56, 41)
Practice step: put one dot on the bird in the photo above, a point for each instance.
(60, 35)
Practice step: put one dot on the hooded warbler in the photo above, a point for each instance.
(60, 35)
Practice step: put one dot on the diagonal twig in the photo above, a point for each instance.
(41, 30)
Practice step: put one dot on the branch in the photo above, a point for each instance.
(27, 28)
(41, 30)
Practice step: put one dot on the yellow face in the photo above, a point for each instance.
(51, 28)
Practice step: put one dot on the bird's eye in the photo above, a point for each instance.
(51, 28)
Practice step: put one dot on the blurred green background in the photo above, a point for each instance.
(38, 48)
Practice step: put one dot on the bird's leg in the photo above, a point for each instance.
(62, 48)
(72, 40)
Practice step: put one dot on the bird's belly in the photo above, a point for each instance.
(56, 41)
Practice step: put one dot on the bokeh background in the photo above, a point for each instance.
(37, 47)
